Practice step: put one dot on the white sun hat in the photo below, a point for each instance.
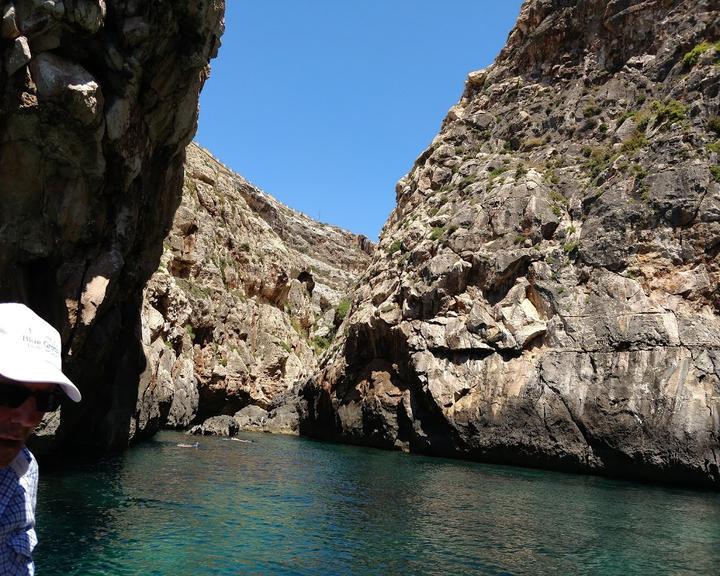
(30, 349)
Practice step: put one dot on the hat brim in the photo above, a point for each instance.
(14, 368)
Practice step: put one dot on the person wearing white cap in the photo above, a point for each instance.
(31, 383)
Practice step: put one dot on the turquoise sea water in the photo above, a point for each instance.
(293, 506)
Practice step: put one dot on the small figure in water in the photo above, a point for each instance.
(195, 445)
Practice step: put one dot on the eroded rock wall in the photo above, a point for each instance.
(98, 100)
(248, 295)
(546, 291)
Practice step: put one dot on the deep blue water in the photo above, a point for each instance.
(284, 505)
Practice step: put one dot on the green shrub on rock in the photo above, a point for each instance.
(342, 308)
(691, 58)
(591, 110)
(714, 125)
(395, 247)
(672, 111)
(321, 343)
(715, 171)
(494, 173)
(635, 142)
(437, 232)
(570, 247)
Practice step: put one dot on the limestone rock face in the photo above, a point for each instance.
(216, 426)
(546, 291)
(97, 104)
(248, 294)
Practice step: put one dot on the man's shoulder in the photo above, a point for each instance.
(24, 463)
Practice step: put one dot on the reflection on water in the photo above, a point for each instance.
(293, 506)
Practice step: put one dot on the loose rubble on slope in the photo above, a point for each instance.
(98, 101)
(546, 291)
(249, 293)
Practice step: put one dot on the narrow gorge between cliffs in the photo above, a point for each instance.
(519, 375)
(543, 294)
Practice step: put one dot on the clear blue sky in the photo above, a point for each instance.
(325, 104)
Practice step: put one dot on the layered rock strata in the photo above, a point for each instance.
(546, 291)
(98, 101)
(249, 293)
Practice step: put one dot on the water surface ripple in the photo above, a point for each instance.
(294, 507)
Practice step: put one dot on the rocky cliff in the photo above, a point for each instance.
(249, 293)
(546, 291)
(98, 101)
